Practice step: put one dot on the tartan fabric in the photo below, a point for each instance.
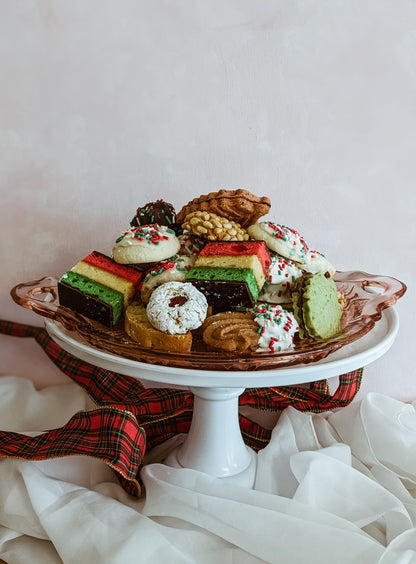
(126, 409)
(109, 434)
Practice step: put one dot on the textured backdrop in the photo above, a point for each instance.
(105, 105)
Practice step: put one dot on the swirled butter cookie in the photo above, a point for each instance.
(231, 331)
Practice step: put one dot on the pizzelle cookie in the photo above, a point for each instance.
(240, 206)
(232, 332)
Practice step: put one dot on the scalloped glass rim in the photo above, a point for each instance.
(366, 296)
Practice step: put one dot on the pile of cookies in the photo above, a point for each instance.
(213, 273)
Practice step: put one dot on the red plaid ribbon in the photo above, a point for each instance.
(130, 418)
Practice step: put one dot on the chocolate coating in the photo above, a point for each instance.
(160, 212)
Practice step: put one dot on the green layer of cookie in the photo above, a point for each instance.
(316, 307)
(92, 289)
(226, 274)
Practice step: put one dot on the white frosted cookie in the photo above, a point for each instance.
(172, 269)
(277, 328)
(191, 244)
(177, 308)
(317, 262)
(280, 277)
(146, 243)
(281, 239)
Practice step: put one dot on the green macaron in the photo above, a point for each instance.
(316, 307)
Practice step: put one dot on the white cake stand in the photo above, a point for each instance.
(214, 444)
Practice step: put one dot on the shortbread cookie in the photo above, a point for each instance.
(213, 227)
(281, 239)
(176, 308)
(139, 328)
(145, 244)
(240, 206)
(277, 328)
(316, 306)
(232, 332)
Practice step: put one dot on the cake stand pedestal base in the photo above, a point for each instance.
(214, 444)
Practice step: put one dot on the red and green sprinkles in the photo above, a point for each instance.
(160, 208)
(270, 316)
(290, 236)
(168, 264)
(274, 314)
(151, 234)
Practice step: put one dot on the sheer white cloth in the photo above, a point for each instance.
(334, 487)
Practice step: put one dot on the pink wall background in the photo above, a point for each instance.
(105, 106)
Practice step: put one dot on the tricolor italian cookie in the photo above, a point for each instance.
(144, 244)
(98, 288)
(281, 239)
(280, 279)
(277, 328)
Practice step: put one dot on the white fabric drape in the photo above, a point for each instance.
(334, 487)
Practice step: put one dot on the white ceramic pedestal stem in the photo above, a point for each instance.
(214, 444)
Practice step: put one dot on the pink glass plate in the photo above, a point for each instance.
(366, 297)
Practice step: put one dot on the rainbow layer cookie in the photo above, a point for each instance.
(90, 298)
(99, 288)
(225, 288)
(239, 248)
(108, 272)
(251, 255)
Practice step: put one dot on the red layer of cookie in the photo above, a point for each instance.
(106, 263)
(234, 248)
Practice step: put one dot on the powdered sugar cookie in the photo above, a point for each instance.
(177, 308)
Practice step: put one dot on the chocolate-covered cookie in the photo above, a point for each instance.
(160, 212)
